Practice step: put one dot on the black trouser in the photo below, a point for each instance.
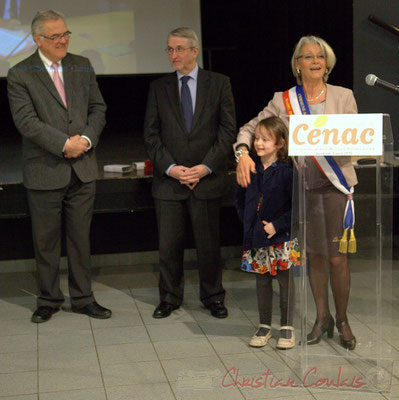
(172, 220)
(47, 209)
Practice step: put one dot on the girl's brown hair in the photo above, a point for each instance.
(277, 128)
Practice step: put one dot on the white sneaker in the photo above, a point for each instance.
(284, 343)
(260, 341)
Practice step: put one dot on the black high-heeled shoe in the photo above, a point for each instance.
(345, 343)
(310, 340)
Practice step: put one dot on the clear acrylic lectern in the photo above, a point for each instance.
(327, 365)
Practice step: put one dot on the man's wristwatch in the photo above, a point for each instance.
(238, 154)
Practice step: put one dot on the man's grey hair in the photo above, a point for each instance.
(37, 26)
(325, 47)
(187, 33)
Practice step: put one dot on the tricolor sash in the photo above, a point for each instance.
(295, 103)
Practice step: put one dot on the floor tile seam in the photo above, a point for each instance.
(18, 372)
(349, 364)
(18, 395)
(105, 328)
(133, 362)
(287, 366)
(198, 339)
(232, 298)
(316, 391)
(147, 340)
(66, 331)
(30, 300)
(149, 384)
(116, 326)
(187, 358)
(210, 342)
(118, 344)
(65, 391)
(15, 352)
(17, 334)
(162, 323)
(153, 346)
(37, 361)
(285, 395)
(98, 360)
(71, 367)
(277, 353)
(249, 318)
(220, 359)
(58, 391)
(6, 319)
(65, 347)
(115, 305)
(18, 352)
(236, 390)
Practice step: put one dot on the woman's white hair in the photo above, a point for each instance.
(331, 59)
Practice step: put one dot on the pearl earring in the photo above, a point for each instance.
(298, 71)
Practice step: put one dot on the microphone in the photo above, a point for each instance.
(382, 24)
(372, 80)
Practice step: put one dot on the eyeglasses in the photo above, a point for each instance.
(178, 49)
(57, 38)
(310, 57)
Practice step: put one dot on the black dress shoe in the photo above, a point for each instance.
(43, 314)
(218, 309)
(164, 309)
(93, 310)
(349, 344)
(311, 340)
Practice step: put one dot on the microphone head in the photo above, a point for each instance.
(371, 79)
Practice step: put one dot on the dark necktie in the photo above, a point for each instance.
(186, 102)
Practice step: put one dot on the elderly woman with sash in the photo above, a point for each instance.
(330, 182)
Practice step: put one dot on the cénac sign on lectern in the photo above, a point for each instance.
(336, 135)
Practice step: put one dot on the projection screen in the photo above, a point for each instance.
(118, 36)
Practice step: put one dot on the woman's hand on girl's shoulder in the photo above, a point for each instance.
(243, 171)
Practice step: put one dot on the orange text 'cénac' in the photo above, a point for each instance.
(301, 136)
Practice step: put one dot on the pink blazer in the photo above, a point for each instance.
(339, 100)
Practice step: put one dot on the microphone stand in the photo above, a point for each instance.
(384, 25)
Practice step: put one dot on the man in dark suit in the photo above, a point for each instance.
(189, 128)
(58, 109)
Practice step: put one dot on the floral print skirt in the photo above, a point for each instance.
(280, 256)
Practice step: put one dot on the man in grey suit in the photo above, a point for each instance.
(60, 113)
(189, 128)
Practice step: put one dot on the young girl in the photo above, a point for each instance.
(265, 210)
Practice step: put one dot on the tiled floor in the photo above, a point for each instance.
(189, 355)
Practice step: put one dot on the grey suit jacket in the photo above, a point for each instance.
(339, 100)
(209, 141)
(45, 124)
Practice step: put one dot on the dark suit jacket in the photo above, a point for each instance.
(45, 124)
(209, 141)
(270, 190)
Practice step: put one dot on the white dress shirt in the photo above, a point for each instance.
(48, 65)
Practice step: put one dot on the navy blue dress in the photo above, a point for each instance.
(267, 198)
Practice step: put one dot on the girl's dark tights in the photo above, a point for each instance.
(264, 290)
